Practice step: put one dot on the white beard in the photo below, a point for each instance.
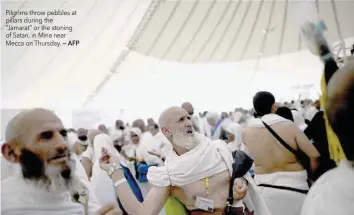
(186, 142)
(55, 181)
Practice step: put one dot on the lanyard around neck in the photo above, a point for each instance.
(206, 182)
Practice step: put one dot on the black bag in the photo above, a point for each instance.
(303, 159)
(242, 164)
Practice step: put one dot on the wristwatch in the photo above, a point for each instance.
(112, 169)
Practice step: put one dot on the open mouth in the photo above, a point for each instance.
(189, 132)
(58, 158)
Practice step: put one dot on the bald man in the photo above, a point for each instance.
(333, 191)
(194, 118)
(119, 124)
(196, 172)
(48, 180)
(103, 129)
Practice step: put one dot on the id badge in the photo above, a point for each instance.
(204, 204)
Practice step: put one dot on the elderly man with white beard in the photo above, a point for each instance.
(197, 172)
(47, 181)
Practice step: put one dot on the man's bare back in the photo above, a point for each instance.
(269, 155)
(218, 191)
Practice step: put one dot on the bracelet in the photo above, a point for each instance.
(112, 169)
(119, 182)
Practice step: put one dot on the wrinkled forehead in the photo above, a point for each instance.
(175, 115)
(38, 122)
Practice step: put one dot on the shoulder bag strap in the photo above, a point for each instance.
(281, 140)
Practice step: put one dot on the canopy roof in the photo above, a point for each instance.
(126, 61)
(228, 31)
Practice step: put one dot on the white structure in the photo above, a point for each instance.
(129, 51)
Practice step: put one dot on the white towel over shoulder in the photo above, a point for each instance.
(205, 160)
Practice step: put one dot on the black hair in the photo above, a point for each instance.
(285, 112)
(263, 102)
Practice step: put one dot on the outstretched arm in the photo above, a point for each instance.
(153, 202)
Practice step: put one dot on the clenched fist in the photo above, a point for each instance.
(240, 188)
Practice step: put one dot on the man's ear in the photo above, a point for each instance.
(11, 152)
(166, 131)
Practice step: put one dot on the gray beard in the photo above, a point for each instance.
(54, 181)
(186, 142)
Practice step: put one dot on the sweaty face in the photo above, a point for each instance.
(182, 131)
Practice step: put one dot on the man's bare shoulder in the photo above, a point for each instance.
(288, 125)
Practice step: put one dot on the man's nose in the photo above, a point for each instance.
(61, 145)
(189, 123)
(62, 149)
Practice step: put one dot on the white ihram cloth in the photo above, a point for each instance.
(332, 193)
(299, 120)
(208, 158)
(140, 150)
(270, 119)
(161, 145)
(236, 130)
(19, 196)
(101, 183)
(278, 201)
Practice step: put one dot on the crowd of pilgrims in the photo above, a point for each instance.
(287, 158)
(227, 126)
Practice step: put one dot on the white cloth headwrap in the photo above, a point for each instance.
(101, 183)
(236, 130)
(207, 159)
(213, 115)
(137, 132)
(270, 119)
(117, 134)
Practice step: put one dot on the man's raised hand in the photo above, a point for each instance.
(107, 160)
